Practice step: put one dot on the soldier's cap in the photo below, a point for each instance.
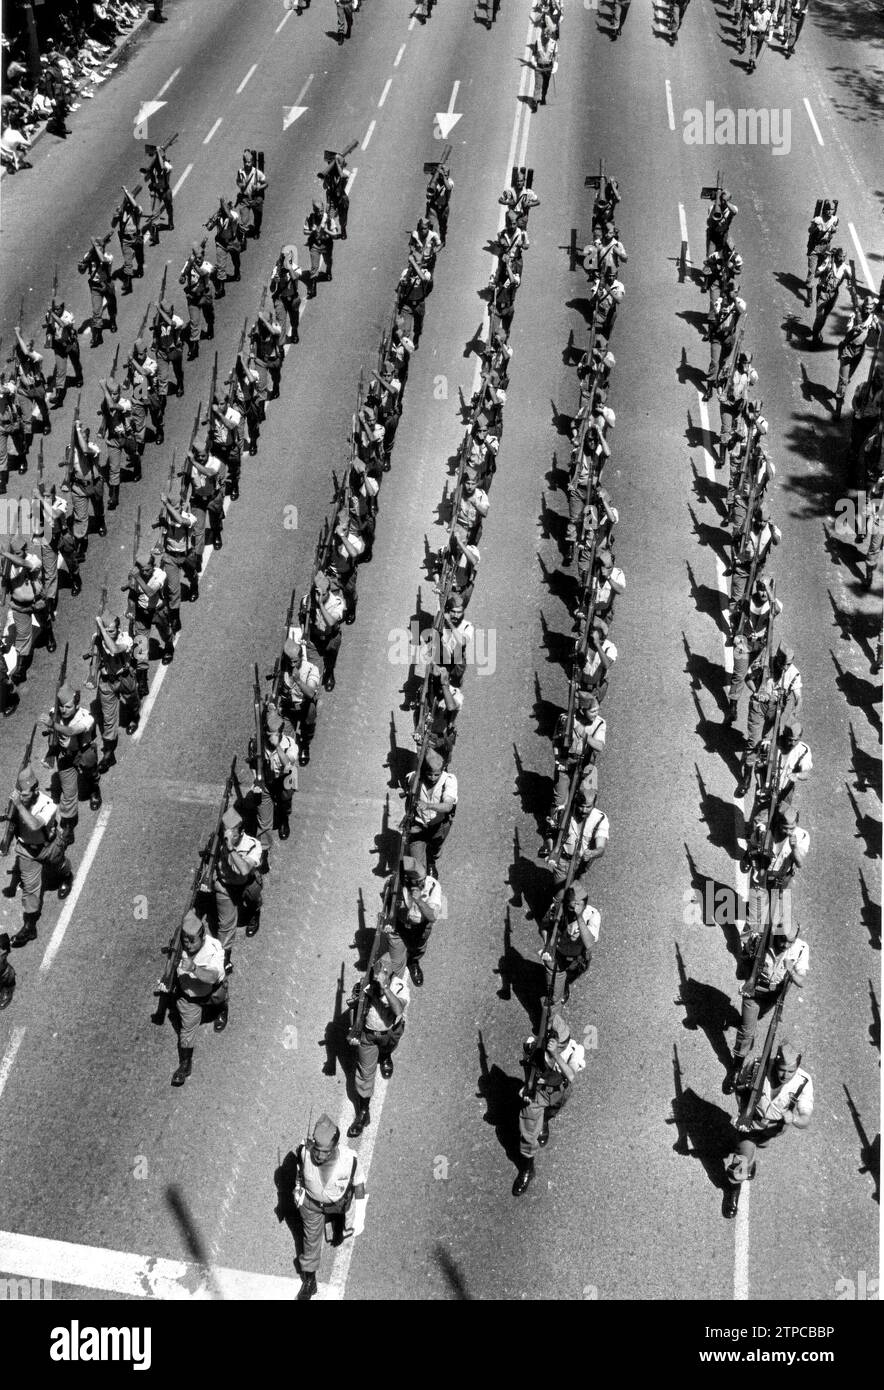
(384, 962)
(788, 928)
(609, 359)
(166, 306)
(292, 648)
(792, 730)
(109, 619)
(26, 781)
(788, 818)
(433, 761)
(273, 721)
(576, 896)
(193, 926)
(7, 386)
(66, 694)
(607, 415)
(738, 262)
(560, 1029)
(605, 557)
(5, 944)
(144, 559)
(786, 654)
(113, 386)
(325, 1133)
(838, 253)
(321, 582)
(18, 545)
(196, 248)
(231, 820)
(788, 1054)
(587, 700)
(411, 870)
(140, 345)
(317, 205)
(761, 425)
(472, 554)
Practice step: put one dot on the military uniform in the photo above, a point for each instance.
(420, 905)
(200, 983)
(786, 1100)
(39, 849)
(382, 1030)
(251, 183)
(147, 609)
(329, 1186)
(560, 1062)
(114, 658)
(237, 884)
(434, 813)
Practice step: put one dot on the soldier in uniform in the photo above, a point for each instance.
(751, 553)
(786, 1101)
(196, 277)
(382, 1030)
(146, 609)
(113, 656)
(345, 19)
(118, 432)
(435, 808)
(330, 1185)
(782, 689)
(319, 243)
(723, 325)
(438, 198)
(560, 1062)
(96, 266)
(179, 554)
(823, 226)
(200, 983)
(324, 612)
(31, 385)
(585, 840)
(284, 282)
(38, 848)
(159, 185)
(851, 349)
(127, 220)
(546, 49)
(299, 689)
(578, 935)
(414, 285)
(11, 437)
(276, 792)
(206, 502)
(230, 239)
(169, 331)
(86, 488)
(61, 337)
(266, 338)
(237, 883)
(72, 728)
(251, 183)
(334, 186)
(587, 740)
(833, 272)
(419, 906)
(787, 959)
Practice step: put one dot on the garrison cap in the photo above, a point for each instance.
(792, 730)
(576, 896)
(788, 818)
(193, 926)
(433, 761)
(140, 345)
(109, 619)
(587, 700)
(18, 545)
(144, 559)
(788, 1054)
(411, 869)
(560, 1029)
(787, 654)
(325, 1132)
(66, 694)
(26, 781)
(291, 649)
(273, 721)
(231, 820)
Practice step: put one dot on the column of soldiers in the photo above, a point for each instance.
(191, 512)
(773, 1090)
(758, 24)
(577, 830)
(228, 886)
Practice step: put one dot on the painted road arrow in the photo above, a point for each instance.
(148, 109)
(290, 114)
(447, 120)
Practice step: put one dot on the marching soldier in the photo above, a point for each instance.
(317, 235)
(251, 183)
(751, 553)
(179, 555)
(61, 337)
(86, 488)
(773, 868)
(560, 1061)
(438, 198)
(723, 324)
(266, 341)
(237, 882)
(787, 959)
(823, 226)
(786, 1100)
(750, 643)
(113, 655)
(345, 19)
(39, 852)
(127, 220)
(169, 332)
(781, 690)
(868, 411)
(503, 304)
(797, 16)
(546, 49)
(718, 223)
(31, 387)
(159, 185)
(851, 349)
(146, 609)
(284, 291)
(299, 691)
(585, 840)
(229, 244)
(196, 277)
(388, 998)
(795, 765)
(148, 399)
(759, 28)
(604, 204)
(23, 587)
(415, 284)
(119, 438)
(578, 936)
(444, 703)
(200, 983)
(96, 266)
(435, 808)
(420, 905)
(833, 272)
(875, 522)
(325, 609)
(577, 747)
(330, 1185)
(601, 653)
(334, 186)
(457, 638)
(11, 432)
(71, 727)
(280, 781)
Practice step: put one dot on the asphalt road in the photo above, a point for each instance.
(627, 1204)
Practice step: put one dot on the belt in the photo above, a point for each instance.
(50, 836)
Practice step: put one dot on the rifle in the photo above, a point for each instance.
(275, 676)
(592, 591)
(92, 656)
(760, 1065)
(9, 818)
(738, 342)
(166, 983)
(258, 709)
(213, 848)
(53, 745)
(113, 370)
(358, 1002)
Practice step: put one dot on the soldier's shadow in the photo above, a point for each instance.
(285, 1179)
(703, 1130)
(706, 1008)
(500, 1093)
(529, 882)
(524, 979)
(534, 791)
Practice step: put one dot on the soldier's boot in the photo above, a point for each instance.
(745, 781)
(543, 1136)
(228, 963)
(67, 881)
(193, 351)
(20, 674)
(28, 930)
(549, 839)
(836, 409)
(729, 1084)
(113, 497)
(76, 584)
(304, 755)
(7, 990)
(284, 828)
(221, 1018)
(175, 620)
(101, 524)
(185, 1065)
(524, 1177)
(127, 284)
(360, 1119)
(194, 586)
(14, 880)
(49, 634)
(67, 828)
(253, 926)
(168, 652)
(386, 1067)
(568, 555)
(308, 1281)
(141, 682)
(97, 337)
(731, 714)
(731, 1202)
(218, 532)
(109, 755)
(95, 795)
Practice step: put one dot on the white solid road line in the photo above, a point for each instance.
(167, 84)
(669, 108)
(334, 1291)
(212, 131)
(350, 179)
(286, 17)
(816, 130)
(368, 134)
(14, 1044)
(246, 78)
(301, 95)
(398, 59)
(134, 1276)
(67, 912)
(387, 85)
(861, 257)
(181, 180)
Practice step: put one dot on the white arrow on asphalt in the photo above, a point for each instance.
(290, 114)
(447, 120)
(148, 109)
